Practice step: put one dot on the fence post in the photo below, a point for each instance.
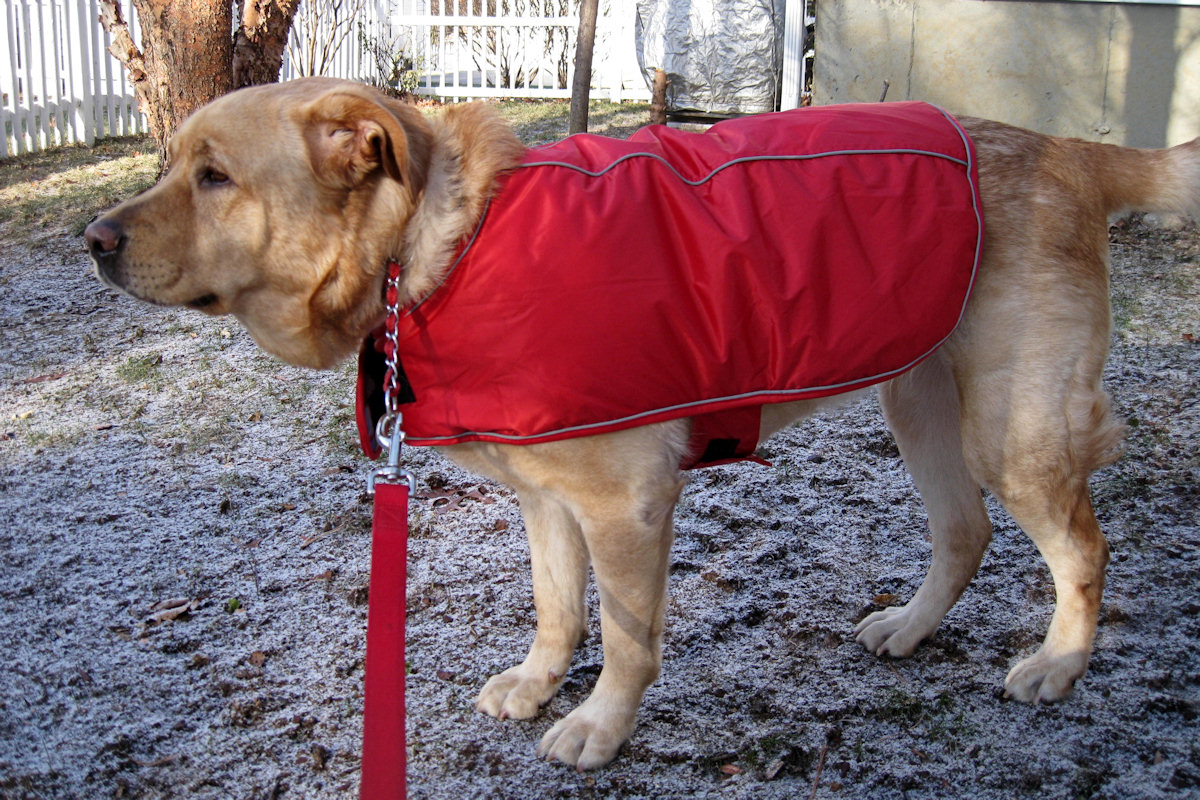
(28, 138)
(110, 108)
(81, 75)
(792, 84)
(39, 128)
(8, 83)
(617, 27)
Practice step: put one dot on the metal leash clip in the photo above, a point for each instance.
(391, 441)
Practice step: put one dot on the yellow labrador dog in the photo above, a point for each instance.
(283, 204)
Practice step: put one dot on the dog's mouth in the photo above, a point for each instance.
(210, 304)
(203, 301)
(103, 274)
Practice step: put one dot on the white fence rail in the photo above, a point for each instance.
(60, 85)
(514, 48)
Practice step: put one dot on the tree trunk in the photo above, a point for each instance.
(188, 56)
(261, 40)
(581, 90)
(184, 62)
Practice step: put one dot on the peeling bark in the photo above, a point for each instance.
(261, 40)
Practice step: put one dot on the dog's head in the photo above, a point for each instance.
(281, 206)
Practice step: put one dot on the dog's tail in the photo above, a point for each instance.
(1164, 181)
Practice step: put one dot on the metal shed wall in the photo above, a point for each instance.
(1125, 73)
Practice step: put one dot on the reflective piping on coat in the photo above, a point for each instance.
(780, 395)
(743, 160)
(968, 162)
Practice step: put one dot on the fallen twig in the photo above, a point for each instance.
(820, 768)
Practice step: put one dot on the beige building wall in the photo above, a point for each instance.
(1113, 72)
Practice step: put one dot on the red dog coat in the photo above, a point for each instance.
(618, 283)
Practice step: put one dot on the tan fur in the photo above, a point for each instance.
(327, 181)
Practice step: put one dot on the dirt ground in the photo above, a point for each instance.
(184, 544)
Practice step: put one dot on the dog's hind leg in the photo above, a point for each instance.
(1034, 432)
(1047, 494)
(1069, 538)
(922, 409)
(559, 563)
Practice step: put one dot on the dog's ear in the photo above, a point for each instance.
(351, 132)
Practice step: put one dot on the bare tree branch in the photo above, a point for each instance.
(322, 29)
(122, 47)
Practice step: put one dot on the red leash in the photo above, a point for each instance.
(384, 756)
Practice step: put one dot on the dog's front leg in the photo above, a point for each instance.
(630, 550)
(559, 561)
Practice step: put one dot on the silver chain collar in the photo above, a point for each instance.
(389, 430)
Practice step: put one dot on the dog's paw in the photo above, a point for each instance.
(517, 693)
(893, 632)
(588, 737)
(1045, 678)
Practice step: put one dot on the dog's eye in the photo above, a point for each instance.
(213, 177)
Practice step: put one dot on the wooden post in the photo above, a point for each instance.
(658, 99)
(581, 88)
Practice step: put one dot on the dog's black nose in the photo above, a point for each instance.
(103, 237)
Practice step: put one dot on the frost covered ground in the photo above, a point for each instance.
(184, 547)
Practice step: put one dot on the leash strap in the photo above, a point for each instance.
(383, 755)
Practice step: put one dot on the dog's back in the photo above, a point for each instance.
(1088, 177)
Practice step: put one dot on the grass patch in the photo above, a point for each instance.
(939, 717)
(59, 440)
(1155, 282)
(56, 192)
(141, 369)
(544, 121)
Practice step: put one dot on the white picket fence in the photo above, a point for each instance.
(338, 38)
(515, 48)
(526, 48)
(60, 84)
